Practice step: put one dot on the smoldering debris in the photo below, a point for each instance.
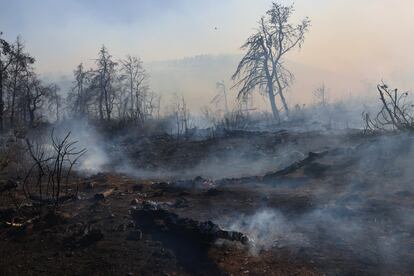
(358, 211)
(84, 132)
(204, 165)
(266, 229)
(352, 217)
(150, 213)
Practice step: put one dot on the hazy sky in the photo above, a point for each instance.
(345, 34)
(370, 39)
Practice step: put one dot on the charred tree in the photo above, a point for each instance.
(21, 64)
(136, 83)
(105, 75)
(396, 113)
(52, 167)
(263, 64)
(6, 58)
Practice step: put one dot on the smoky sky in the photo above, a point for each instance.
(357, 41)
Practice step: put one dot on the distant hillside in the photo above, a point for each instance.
(196, 77)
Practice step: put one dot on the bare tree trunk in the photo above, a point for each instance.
(1, 100)
(271, 95)
(31, 117)
(13, 98)
(82, 108)
(30, 109)
(225, 99)
(57, 111)
(132, 94)
(275, 111)
(282, 97)
(101, 105)
(107, 107)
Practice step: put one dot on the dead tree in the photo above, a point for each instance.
(136, 81)
(21, 64)
(55, 100)
(320, 95)
(6, 59)
(52, 167)
(34, 96)
(221, 96)
(181, 116)
(263, 64)
(396, 112)
(78, 98)
(105, 76)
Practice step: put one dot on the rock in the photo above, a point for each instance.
(149, 205)
(135, 201)
(134, 235)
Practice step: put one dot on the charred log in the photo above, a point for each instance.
(151, 215)
(312, 156)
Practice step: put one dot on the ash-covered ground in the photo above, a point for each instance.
(243, 203)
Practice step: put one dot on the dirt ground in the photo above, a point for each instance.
(342, 206)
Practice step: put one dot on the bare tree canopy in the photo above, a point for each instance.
(396, 112)
(136, 84)
(263, 63)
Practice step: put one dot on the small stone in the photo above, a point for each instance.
(135, 201)
(149, 205)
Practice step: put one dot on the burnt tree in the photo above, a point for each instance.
(6, 58)
(263, 64)
(105, 76)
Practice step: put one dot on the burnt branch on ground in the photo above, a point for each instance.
(396, 112)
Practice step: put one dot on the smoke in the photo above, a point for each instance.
(87, 137)
(360, 212)
(266, 229)
(361, 215)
